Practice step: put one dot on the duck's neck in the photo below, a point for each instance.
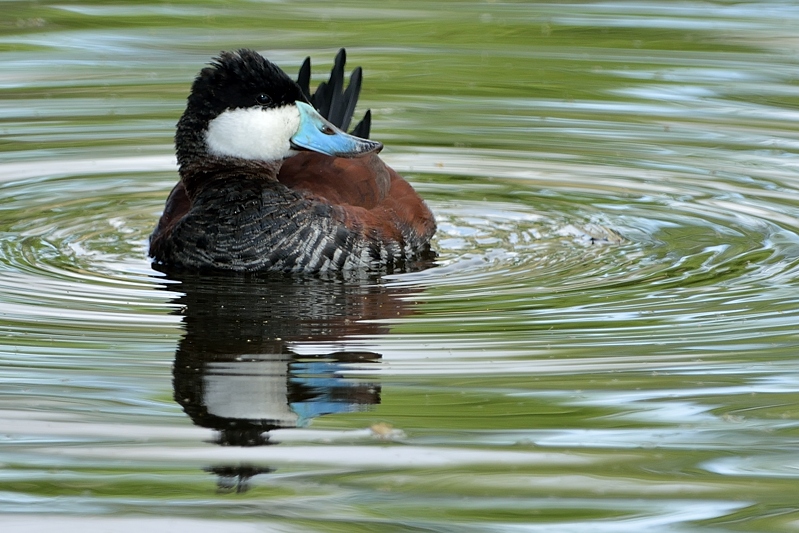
(199, 174)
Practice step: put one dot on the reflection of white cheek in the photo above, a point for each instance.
(250, 390)
(253, 133)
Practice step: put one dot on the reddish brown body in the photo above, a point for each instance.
(374, 197)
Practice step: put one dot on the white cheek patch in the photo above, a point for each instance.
(253, 133)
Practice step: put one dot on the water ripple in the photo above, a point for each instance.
(608, 334)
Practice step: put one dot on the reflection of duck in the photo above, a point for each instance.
(249, 201)
(238, 369)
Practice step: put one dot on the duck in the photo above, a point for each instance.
(269, 184)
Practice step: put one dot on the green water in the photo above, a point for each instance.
(607, 342)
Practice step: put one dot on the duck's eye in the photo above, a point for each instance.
(263, 99)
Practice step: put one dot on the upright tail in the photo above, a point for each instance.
(332, 100)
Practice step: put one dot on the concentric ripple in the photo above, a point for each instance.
(607, 341)
(73, 245)
(593, 230)
(522, 226)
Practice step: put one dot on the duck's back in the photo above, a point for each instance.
(374, 198)
(242, 224)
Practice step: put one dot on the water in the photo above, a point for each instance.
(606, 344)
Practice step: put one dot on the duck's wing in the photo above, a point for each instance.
(332, 100)
(177, 205)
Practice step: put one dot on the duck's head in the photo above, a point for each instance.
(244, 107)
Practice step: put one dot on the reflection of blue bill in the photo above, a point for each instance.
(329, 392)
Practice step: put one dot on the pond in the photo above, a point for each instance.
(606, 342)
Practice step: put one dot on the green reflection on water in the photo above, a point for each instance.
(653, 358)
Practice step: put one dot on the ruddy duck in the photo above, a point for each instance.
(268, 184)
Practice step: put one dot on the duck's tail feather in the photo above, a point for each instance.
(304, 78)
(362, 128)
(335, 90)
(334, 102)
(350, 98)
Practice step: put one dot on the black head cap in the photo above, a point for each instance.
(233, 80)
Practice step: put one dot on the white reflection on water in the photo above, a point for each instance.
(538, 378)
(85, 167)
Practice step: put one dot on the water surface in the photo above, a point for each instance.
(606, 343)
